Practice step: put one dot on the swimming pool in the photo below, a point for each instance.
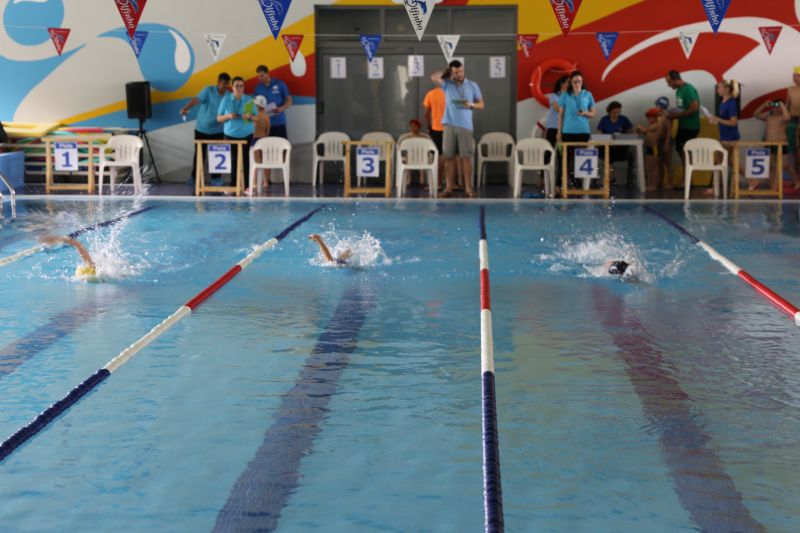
(308, 397)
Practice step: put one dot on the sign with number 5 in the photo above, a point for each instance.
(66, 156)
(219, 158)
(586, 162)
(757, 165)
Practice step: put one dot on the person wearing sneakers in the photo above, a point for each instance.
(462, 96)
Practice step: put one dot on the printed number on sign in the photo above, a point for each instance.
(367, 162)
(219, 157)
(66, 156)
(757, 166)
(586, 163)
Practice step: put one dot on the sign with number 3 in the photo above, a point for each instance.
(367, 162)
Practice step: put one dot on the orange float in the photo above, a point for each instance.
(557, 65)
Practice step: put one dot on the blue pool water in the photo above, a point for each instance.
(308, 397)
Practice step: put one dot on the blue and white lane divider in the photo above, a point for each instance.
(39, 247)
(54, 411)
(774, 298)
(492, 488)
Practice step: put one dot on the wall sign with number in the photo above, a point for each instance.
(367, 161)
(375, 68)
(66, 155)
(586, 162)
(497, 67)
(416, 66)
(757, 166)
(338, 68)
(219, 158)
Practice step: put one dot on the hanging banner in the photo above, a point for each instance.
(688, 39)
(59, 37)
(715, 11)
(131, 12)
(526, 43)
(607, 40)
(770, 35)
(420, 13)
(214, 41)
(137, 42)
(292, 43)
(370, 45)
(448, 44)
(565, 11)
(275, 13)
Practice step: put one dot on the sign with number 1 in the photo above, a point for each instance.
(586, 162)
(219, 158)
(66, 155)
(367, 162)
(757, 166)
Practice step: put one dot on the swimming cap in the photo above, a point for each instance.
(653, 112)
(617, 268)
(797, 70)
(86, 271)
(662, 102)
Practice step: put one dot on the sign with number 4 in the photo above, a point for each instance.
(66, 155)
(219, 158)
(757, 166)
(586, 162)
(367, 162)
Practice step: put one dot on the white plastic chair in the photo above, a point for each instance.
(332, 146)
(700, 154)
(499, 147)
(377, 136)
(126, 154)
(417, 153)
(276, 153)
(531, 155)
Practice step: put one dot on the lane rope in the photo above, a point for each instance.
(774, 298)
(39, 247)
(54, 411)
(492, 487)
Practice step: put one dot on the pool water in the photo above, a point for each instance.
(304, 396)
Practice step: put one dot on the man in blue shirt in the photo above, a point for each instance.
(277, 94)
(461, 97)
(206, 127)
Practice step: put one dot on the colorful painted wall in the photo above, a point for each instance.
(85, 85)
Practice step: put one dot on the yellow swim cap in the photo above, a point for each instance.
(797, 70)
(86, 271)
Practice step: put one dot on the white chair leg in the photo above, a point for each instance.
(112, 178)
(725, 184)
(286, 179)
(687, 181)
(316, 171)
(517, 183)
(100, 178)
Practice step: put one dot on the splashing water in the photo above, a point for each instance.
(111, 261)
(365, 250)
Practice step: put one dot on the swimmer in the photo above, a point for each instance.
(87, 269)
(617, 268)
(341, 260)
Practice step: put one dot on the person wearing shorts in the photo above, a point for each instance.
(434, 103)
(462, 96)
(688, 112)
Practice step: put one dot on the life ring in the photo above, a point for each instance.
(559, 65)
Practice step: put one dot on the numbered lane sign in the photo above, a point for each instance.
(367, 161)
(66, 156)
(338, 68)
(219, 158)
(416, 66)
(586, 162)
(757, 166)
(375, 68)
(497, 67)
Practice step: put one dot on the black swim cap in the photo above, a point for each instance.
(617, 268)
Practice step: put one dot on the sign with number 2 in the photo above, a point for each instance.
(219, 158)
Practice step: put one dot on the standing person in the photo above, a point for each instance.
(461, 97)
(277, 94)
(577, 107)
(237, 126)
(665, 144)
(434, 104)
(688, 112)
(776, 118)
(652, 143)
(793, 106)
(728, 120)
(551, 121)
(206, 126)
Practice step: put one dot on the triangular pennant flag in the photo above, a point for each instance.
(607, 40)
(214, 41)
(526, 43)
(137, 42)
(448, 44)
(688, 39)
(131, 12)
(715, 11)
(59, 37)
(565, 11)
(275, 13)
(292, 43)
(370, 45)
(770, 35)
(419, 11)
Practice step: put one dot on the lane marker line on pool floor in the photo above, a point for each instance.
(13, 258)
(492, 487)
(54, 411)
(774, 298)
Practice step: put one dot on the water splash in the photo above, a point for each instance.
(365, 249)
(111, 260)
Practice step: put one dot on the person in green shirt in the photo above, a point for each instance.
(687, 113)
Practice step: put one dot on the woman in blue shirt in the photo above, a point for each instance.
(237, 119)
(577, 107)
(551, 122)
(728, 119)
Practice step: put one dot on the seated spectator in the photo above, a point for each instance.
(414, 127)
(652, 142)
(614, 121)
(776, 117)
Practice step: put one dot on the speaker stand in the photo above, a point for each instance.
(143, 135)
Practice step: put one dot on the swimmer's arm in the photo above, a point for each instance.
(323, 247)
(50, 241)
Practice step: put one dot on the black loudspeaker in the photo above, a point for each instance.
(137, 94)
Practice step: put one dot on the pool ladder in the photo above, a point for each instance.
(13, 199)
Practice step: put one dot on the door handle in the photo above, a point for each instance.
(320, 107)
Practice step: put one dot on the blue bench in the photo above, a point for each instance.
(12, 166)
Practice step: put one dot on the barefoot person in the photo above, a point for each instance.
(776, 117)
(87, 269)
(651, 131)
(341, 260)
